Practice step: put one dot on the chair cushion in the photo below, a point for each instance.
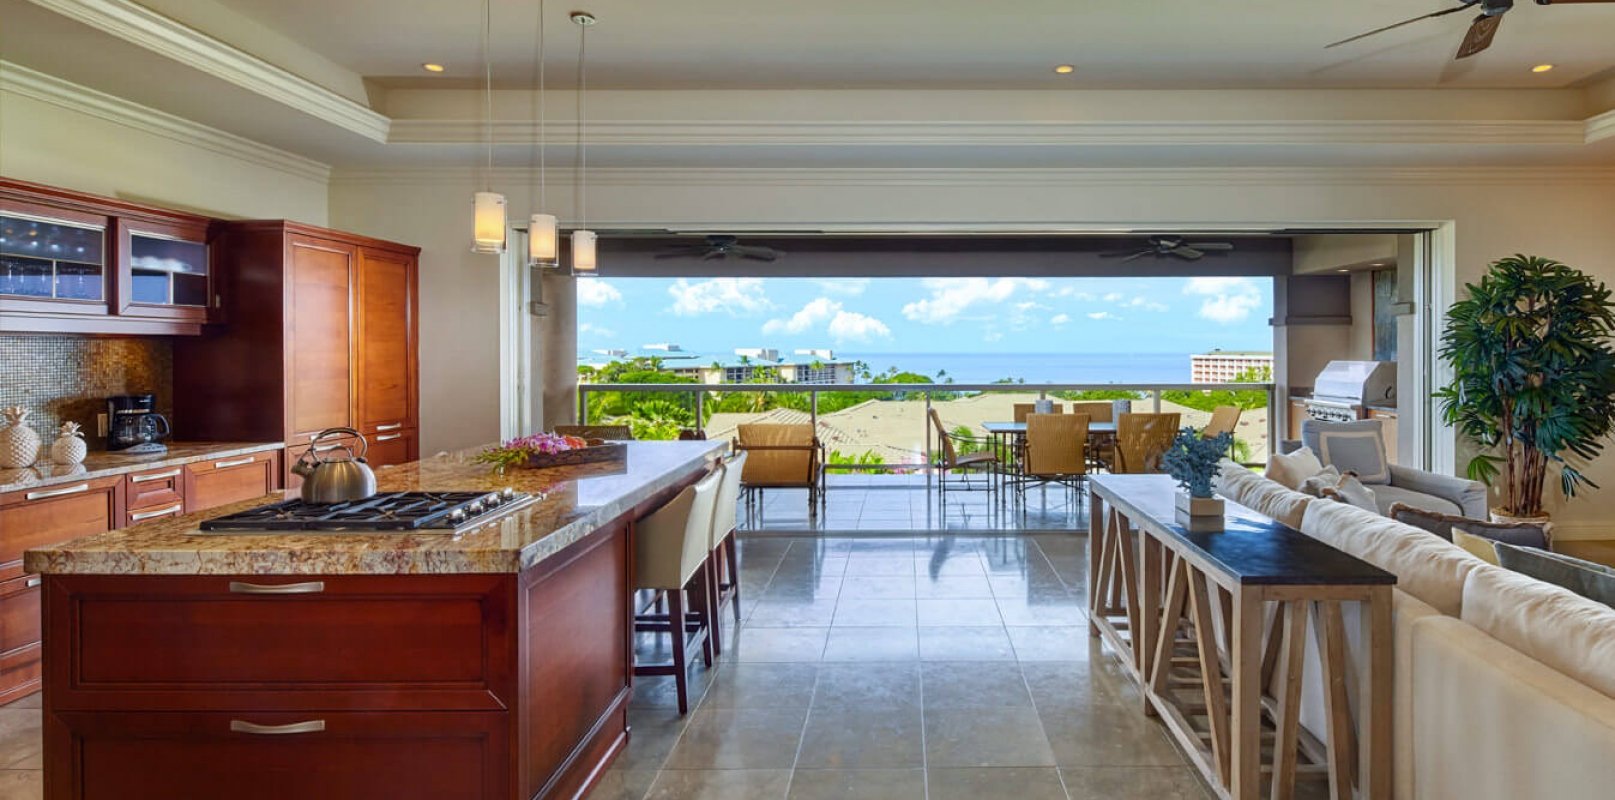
(1552, 625)
(1436, 522)
(1388, 495)
(1314, 486)
(1589, 579)
(1524, 534)
(1426, 567)
(1352, 491)
(1290, 470)
(1478, 546)
(1350, 447)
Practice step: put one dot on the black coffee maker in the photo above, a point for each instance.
(134, 426)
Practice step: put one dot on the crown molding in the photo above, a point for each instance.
(1601, 127)
(1074, 177)
(36, 85)
(146, 28)
(742, 133)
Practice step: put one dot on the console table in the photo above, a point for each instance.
(1212, 621)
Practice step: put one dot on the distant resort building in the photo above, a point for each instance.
(812, 366)
(1223, 366)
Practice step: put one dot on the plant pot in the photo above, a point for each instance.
(1199, 506)
(1545, 520)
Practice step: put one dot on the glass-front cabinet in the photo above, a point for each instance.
(163, 271)
(52, 264)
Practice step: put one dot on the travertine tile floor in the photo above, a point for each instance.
(879, 667)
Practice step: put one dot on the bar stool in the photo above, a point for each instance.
(725, 558)
(671, 545)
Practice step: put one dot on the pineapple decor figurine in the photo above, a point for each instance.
(19, 444)
(69, 448)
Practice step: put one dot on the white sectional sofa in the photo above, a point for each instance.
(1504, 685)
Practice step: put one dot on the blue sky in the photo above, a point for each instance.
(928, 315)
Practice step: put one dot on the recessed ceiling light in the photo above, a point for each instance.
(1542, 68)
(1065, 69)
(430, 67)
(1343, 270)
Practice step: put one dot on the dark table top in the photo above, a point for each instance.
(1248, 546)
(1019, 428)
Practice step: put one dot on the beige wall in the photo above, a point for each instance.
(48, 143)
(1493, 214)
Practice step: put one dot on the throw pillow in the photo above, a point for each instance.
(1351, 491)
(1433, 521)
(1315, 485)
(1590, 580)
(1350, 447)
(1478, 546)
(1290, 470)
(1522, 534)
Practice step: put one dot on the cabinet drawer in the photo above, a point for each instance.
(287, 642)
(19, 613)
(391, 447)
(157, 488)
(261, 756)
(53, 514)
(221, 481)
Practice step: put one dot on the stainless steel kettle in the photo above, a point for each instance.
(335, 480)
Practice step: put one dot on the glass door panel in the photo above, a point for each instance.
(166, 271)
(51, 259)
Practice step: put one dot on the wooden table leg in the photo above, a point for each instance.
(1374, 712)
(1246, 667)
(1330, 632)
(1205, 638)
(1290, 628)
(1096, 535)
(1149, 610)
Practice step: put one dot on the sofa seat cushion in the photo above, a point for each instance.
(1552, 625)
(1426, 567)
(1387, 495)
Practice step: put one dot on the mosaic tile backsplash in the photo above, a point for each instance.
(64, 377)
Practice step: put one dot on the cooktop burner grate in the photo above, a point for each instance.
(390, 511)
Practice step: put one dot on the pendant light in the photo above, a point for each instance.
(583, 240)
(543, 245)
(487, 206)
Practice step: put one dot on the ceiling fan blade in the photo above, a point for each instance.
(750, 251)
(1188, 253)
(772, 255)
(1138, 255)
(686, 253)
(1377, 31)
(1119, 253)
(712, 255)
(1222, 247)
(1479, 36)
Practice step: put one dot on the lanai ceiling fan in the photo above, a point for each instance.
(1481, 31)
(1173, 247)
(722, 246)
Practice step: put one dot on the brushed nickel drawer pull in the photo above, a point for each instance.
(35, 581)
(137, 516)
(155, 476)
(308, 587)
(41, 495)
(243, 726)
(393, 427)
(236, 463)
(389, 437)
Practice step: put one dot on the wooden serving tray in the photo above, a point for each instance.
(583, 455)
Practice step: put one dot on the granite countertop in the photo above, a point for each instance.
(104, 463)
(574, 501)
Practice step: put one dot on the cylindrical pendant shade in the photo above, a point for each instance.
(488, 223)
(543, 245)
(583, 251)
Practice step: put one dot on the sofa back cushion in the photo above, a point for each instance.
(1425, 520)
(1290, 470)
(1570, 633)
(1589, 579)
(1426, 567)
(1350, 447)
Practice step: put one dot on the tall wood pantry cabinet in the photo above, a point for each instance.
(322, 333)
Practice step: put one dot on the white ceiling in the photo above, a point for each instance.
(951, 43)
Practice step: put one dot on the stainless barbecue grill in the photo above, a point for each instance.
(1344, 389)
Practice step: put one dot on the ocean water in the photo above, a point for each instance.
(1036, 367)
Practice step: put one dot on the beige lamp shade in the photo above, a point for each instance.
(583, 251)
(488, 222)
(543, 243)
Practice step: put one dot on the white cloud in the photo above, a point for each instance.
(852, 326)
(1145, 303)
(815, 312)
(1102, 315)
(1059, 319)
(851, 287)
(951, 297)
(1227, 300)
(596, 292)
(1114, 297)
(597, 330)
(732, 296)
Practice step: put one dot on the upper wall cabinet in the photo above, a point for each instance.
(77, 263)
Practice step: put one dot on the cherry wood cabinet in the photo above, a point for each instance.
(153, 493)
(1387, 419)
(222, 481)
(321, 333)
(19, 637)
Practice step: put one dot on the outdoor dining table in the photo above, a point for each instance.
(1004, 436)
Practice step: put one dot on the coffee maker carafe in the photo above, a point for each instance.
(134, 426)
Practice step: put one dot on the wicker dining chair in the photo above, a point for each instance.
(1096, 411)
(1141, 440)
(955, 461)
(1056, 447)
(1023, 410)
(781, 457)
(614, 433)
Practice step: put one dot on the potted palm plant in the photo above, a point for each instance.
(1533, 379)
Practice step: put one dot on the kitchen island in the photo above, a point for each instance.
(494, 663)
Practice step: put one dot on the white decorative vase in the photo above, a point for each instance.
(19, 444)
(69, 448)
(1199, 506)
